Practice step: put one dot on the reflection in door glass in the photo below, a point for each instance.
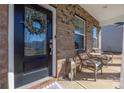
(35, 32)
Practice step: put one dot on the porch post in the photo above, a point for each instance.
(122, 65)
(99, 39)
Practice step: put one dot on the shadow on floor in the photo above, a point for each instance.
(114, 64)
(90, 75)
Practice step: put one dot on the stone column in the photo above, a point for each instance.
(3, 46)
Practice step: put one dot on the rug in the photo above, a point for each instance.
(54, 85)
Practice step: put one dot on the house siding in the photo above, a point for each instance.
(3, 46)
(64, 37)
(112, 38)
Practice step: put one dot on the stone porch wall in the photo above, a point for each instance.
(65, 33)
(65, 37)
(3, 46)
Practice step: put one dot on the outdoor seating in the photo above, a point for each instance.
(92, 63)
(106, 57)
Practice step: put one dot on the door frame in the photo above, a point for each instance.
(11, 43)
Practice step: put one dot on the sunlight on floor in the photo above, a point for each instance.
(108, 80)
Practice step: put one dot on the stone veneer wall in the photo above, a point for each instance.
(65, 33)
(3, 46)
(65, 37)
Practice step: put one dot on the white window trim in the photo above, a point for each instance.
(95, 37)
(84, 34)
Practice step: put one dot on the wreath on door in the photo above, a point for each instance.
(36, 17)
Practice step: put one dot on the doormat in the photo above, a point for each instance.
(54, 85)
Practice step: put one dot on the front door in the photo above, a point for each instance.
(32, 43)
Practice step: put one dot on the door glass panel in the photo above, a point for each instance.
(35, 33)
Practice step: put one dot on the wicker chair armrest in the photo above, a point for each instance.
(88, 63)
(91, 62)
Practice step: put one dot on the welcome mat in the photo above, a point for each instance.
(54, 85)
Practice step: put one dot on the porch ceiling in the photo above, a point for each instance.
(105, 13)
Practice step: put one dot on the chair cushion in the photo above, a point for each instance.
(90, 63)
(98, 63)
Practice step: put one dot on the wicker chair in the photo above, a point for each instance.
(90, 63)
(106, 58)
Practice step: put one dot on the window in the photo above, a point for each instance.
(94, 37)
(79, 33)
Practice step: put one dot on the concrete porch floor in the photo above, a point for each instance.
(108, 80)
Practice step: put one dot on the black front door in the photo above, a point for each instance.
(32, 43)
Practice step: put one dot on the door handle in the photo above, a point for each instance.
(51, 47)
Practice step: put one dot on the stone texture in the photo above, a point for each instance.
(65, 32)
(3, 46)
(65, 36)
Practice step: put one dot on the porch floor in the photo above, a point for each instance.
(108, 80)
